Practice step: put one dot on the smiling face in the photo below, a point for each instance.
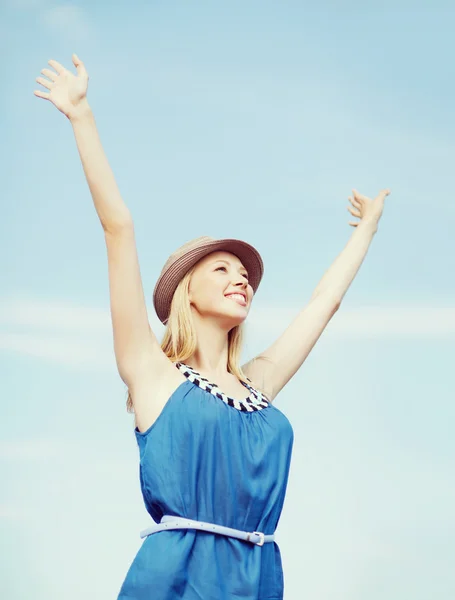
(216, 276)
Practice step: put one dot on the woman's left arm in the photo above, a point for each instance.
(340, 275)
(272, 369)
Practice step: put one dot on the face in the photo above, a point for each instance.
(216, 277)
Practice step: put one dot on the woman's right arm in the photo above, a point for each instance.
(136, 347)
(112, 211)
(135, 344)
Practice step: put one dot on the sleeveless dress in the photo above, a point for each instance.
(211, 458)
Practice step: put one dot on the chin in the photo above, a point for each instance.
(239, 319)
(233, 320)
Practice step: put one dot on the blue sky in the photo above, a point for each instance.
(251, 120)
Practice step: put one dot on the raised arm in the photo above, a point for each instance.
(136, 347)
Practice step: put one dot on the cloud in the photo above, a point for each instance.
(29, 449)
(88, 355)
(13, 513)
(364, 320)
(54, 314)
(80, 337)
(68, 20)
(370, 321)
(26, 4)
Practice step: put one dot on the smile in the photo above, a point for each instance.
(237, 298)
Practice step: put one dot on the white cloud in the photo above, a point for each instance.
(364, 320)
(370, 321)
(68, 20)
(54, 314)
(89, 354)
(81, 337)
(13, 513)
(26, 4)
(28, 449)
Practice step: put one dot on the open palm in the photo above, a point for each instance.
(67, 91)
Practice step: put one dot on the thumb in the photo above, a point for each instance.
(79, 65)
(382, 196)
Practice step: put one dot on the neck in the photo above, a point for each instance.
(211, 355)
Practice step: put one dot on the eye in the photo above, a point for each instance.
(243, 274)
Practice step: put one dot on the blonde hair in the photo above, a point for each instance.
(179, 340)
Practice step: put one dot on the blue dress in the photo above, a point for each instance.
(211, 458)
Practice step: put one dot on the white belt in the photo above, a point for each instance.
(173, 522)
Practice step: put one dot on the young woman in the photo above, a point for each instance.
(214, 450)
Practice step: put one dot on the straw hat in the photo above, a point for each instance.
(181, 261)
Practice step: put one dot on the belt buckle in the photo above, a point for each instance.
(261, 538)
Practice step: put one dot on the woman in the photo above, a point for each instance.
(214, 450)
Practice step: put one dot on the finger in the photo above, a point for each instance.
(359, 196)
(52, 76)
(354, 202)
(57, 66)
(353, 224)
(353, 212)
(80, 67)
(44, 95)
(384, 193)
(47, 84)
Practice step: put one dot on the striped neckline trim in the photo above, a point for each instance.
(255, 401)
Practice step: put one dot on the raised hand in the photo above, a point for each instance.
(67, 91)
(367, 209)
